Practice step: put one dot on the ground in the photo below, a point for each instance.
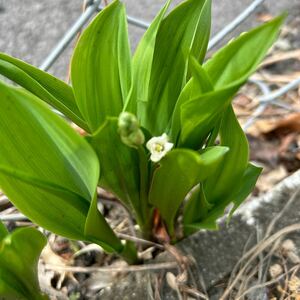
(30, 29)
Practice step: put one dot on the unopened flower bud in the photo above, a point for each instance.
(129, 130)
(127, 123)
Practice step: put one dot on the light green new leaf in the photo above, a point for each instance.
(101, 66)
(19, 254)
(241, 57)
(45, 86)
(47, 170)
(179, 171)
(119, 164)
(237, 196)
(183, 32)
(142, 63)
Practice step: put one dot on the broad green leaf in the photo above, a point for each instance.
(142, 62)
(47, 170)
(183, 32)
(45, 86)
(101, 66)
(3, 231)
(227, 70)
(198, 85)
(241, 57)
(196, 207)
(19, 254)
(238, 195)
(97, 229)
(230, 171)
(200, 115)
(119, 164)
(250, 177)
(179, 171)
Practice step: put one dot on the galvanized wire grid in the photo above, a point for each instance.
(267, 97)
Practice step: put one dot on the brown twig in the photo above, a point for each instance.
(252, 254)
(137, 268)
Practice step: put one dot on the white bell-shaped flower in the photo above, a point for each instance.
(159, 146)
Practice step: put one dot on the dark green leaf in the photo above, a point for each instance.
(196, 208)
(119, 164)
(238, 195)
(98, 231)
(230, 171)
(179, 171)
(101, 66)
(19, 254)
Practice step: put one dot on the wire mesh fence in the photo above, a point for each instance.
(268, 97)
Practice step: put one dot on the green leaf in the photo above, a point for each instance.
(198, 85)
(241, 57)
(250, 177)
(183, 32)
(119, 165)
(101, 66)
(179, 171)
(142, 71)
(48, 88)
(200, 115)
(3, 231)
(47, 170)
(19, 254)
(196, 208)
(98, 231)
(238, 195)
(230, 171)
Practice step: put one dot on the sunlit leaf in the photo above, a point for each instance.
(184, 31)
(47, 170)
(47, 87)
(241, 57)
(142, 62)
(101, 66)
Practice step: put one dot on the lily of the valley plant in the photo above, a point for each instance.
(151, 123)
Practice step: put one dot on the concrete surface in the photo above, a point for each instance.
(29, 29)
(216, 253)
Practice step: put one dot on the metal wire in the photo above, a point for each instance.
(280, 92)
(234, 24)
(70, 35)
(92, 7)
(268, 96)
